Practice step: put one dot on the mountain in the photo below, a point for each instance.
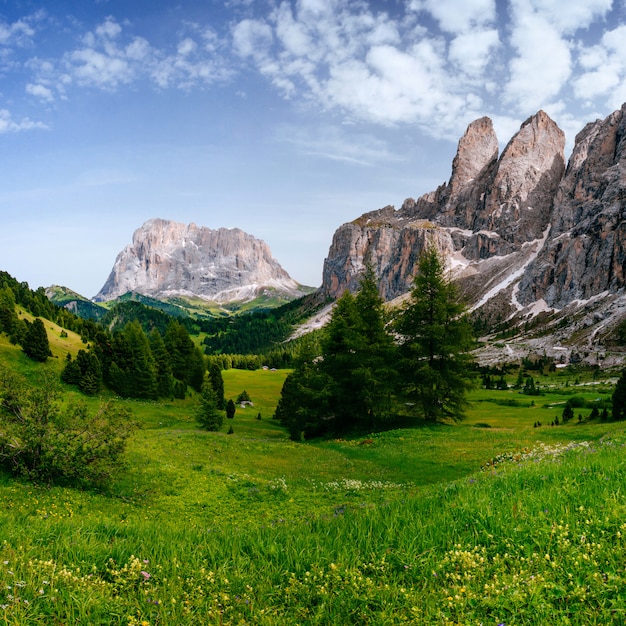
(171, 260)
(528, 239)
(74, 302)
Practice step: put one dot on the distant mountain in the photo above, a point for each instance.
(537, 248)
(74, 302)
(168, 260)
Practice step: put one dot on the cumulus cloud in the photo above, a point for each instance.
(458, 17)
(18, 32)
(40, 91)
(349, 57)
(109, 59)
(10, 125)
(542, 65)
(436, 64)
(603, 66)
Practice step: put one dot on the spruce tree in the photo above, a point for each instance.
(35, 343)
(165, 380)
(217, 382)
(435, 339)
(619, 398)
(209, 416)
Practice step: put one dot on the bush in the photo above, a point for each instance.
(43, 440)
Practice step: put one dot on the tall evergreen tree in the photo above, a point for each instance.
(90, 377)
(359, 357)
(8, 317)
(207, 413)
(186, 360)
(35, 342)
(435, 342)
(619, 398)
(304, 402)
(165, 380)
(217, 382)
(133, 372)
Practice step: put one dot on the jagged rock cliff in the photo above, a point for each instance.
(522, 233)
(169, 259)
(586, 252)
(491, 207)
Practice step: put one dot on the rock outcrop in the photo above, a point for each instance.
(492, 207)
(524, 236)
(586, 252)
(168, 259)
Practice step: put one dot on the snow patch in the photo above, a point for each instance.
(511, 278)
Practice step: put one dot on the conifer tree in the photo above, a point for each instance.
(209, 416)
(435, 341)
(217, 382)
(619, 398)
(164, 378)
(35, 342)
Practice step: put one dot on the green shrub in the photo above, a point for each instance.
(42, 440)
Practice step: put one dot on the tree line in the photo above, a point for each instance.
(369, 368)
(135, 364)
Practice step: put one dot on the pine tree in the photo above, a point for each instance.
(90, 378)
(568, 413)
(35, 343)
(217, 382)
(619, 398)
(165, 380)
(435, 341)
(186, 359)
(209, 416)
(358, 358)
(132, 373)
(230, 409)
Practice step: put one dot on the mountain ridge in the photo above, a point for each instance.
(524, 234)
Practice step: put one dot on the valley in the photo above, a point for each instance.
(491, 520)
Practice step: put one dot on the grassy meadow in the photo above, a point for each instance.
(490, 521)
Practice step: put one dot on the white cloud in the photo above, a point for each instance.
(109, 60)
(604, 67)
(109, 29)
(458, 16)
(542, 66)
(18, 32)
(187, 46)
(91, 67)
(252, 38)
(471, 52)
(40, 91)
(9, 125)
(567, 18)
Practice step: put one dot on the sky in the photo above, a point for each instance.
(283, 118)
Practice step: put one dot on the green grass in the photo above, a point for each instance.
(388, 528)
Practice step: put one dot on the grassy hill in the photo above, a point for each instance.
(490, 521)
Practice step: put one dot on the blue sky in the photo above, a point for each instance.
(285, 119)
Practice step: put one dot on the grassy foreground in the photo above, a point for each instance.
(399, 527)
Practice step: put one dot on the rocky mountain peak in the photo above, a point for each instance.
(167, 259)
(522, 233)
(477, 151)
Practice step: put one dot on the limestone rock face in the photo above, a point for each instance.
(381, 240)
(169, 259)
(491, 208)
(586, 252)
